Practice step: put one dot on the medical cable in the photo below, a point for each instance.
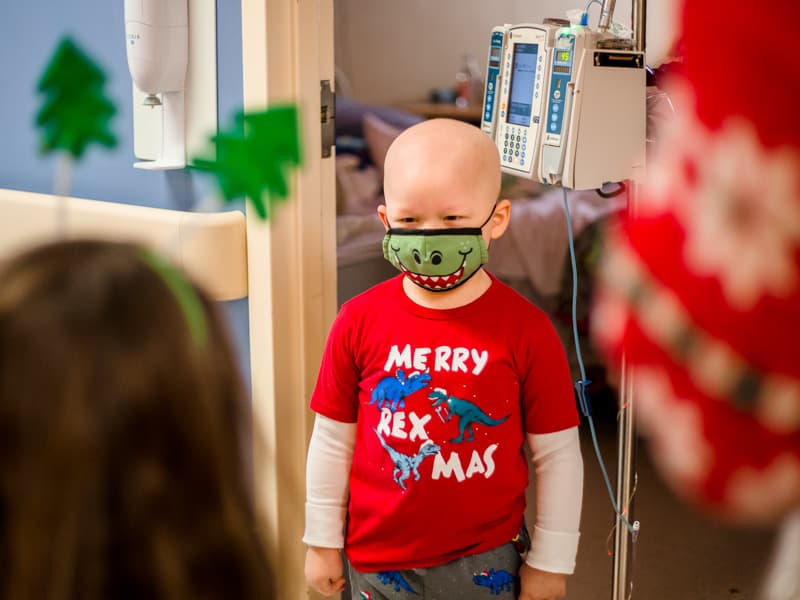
(582, 383)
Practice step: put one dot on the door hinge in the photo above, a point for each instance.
(327, 101)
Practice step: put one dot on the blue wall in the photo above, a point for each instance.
(29, 32)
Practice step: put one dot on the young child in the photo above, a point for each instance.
(122, 426)
(430, 384)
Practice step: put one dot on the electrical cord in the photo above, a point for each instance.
(582, 383)
(613, 193)
(585, 14)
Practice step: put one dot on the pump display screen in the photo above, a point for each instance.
(494, 57)
(563, 56)
(523, 75)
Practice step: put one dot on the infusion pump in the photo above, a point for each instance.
(519, 93)
(562, 109)
(494, 78)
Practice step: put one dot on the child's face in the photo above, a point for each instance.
(435, 208)
(438, 244)
(441, 175)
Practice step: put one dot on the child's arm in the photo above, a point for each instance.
(330, 454)
(559, 493)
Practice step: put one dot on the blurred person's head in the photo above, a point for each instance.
(122, 433)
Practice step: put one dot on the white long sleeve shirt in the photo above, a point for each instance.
(559, 490)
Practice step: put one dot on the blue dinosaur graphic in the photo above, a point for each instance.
(395, 578)
(404, 464)
(468, 414)
(496, 581)
(394, 390)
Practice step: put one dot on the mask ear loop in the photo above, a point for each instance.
(184, 293)
(491, 214)
(484, 246)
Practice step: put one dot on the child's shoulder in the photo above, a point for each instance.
(515, 304)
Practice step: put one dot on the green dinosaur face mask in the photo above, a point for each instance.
(437, 259)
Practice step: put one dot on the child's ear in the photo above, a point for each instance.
(382, 215)
(500, 219)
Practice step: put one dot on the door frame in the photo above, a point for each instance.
(287, 49)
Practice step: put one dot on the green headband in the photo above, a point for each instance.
(184, 293)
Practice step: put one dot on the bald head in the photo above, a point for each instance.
(443, 157)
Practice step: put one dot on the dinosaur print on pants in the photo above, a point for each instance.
(496, 581)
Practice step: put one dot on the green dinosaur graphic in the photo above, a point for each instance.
(468, 414)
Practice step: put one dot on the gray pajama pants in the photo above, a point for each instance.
(491, 575)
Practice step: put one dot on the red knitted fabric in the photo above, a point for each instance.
(701, 285)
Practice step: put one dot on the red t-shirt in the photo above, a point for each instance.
(442, 399)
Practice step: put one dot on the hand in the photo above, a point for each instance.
(325, 570)
(536, 584)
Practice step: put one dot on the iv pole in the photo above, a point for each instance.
(622, 583)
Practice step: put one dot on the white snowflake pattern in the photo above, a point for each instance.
(780, 408)
(743, 219)
(762, 495)
(609, 317)
(714, 365)
(662, 315)
(674, 427)
(681, 143)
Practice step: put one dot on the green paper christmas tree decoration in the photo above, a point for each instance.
(253, 158)
(76, 112)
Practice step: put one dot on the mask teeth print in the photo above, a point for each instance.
(435, 282)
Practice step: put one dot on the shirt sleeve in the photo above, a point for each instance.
(336, 391)
(559, 496)
(330, 454)
(548, 398)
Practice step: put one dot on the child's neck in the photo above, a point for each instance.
(467, 292)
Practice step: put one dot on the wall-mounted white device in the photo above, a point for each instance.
(494, 79)
(157, 43)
